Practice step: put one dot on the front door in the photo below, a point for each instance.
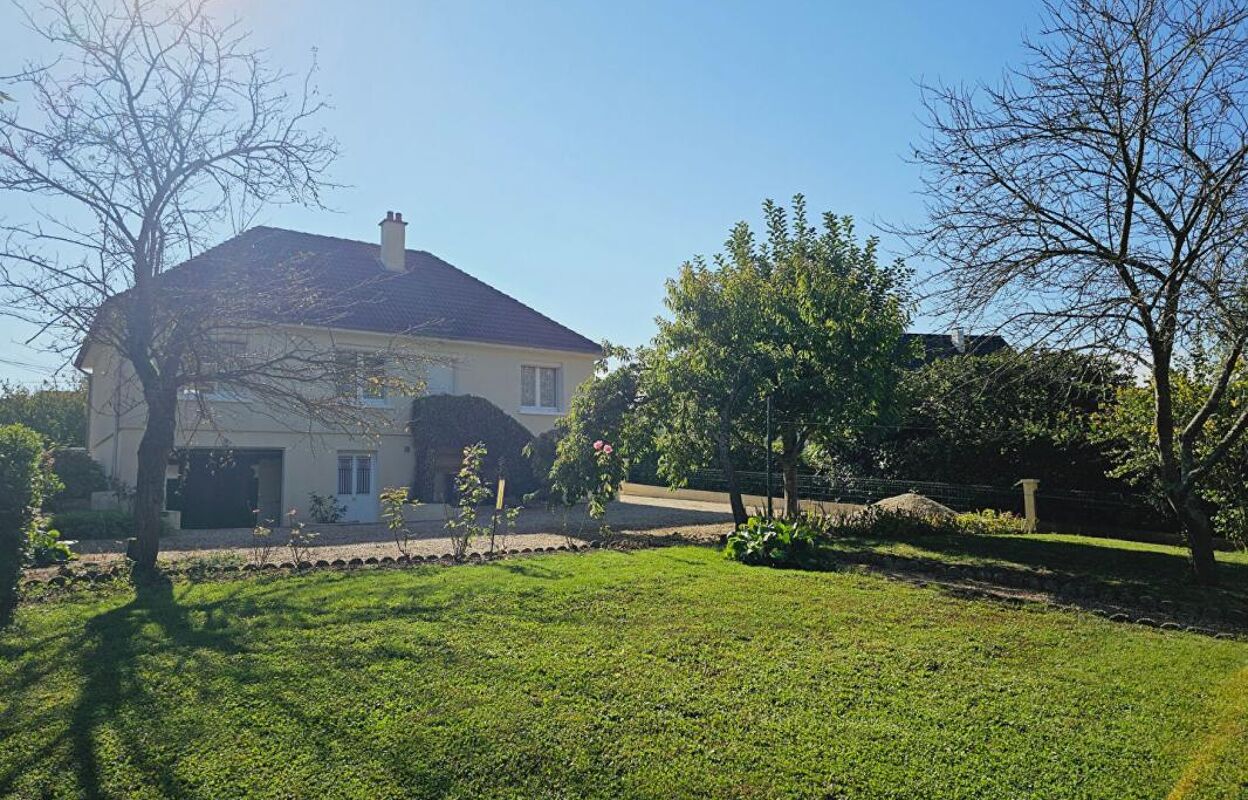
(357, 486)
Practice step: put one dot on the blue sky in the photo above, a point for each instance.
(573, 154)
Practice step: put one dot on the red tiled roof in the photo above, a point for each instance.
(431, 298)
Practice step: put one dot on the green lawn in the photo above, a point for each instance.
(1155, 570)
(662, 673)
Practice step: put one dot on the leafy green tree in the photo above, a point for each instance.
(996, 418)
(834, 318)
(809, 318)
(1126, 429)
(57, 412)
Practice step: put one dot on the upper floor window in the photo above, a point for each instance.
(361, 377)
(219, 358)
(539, 388)
(439, 379)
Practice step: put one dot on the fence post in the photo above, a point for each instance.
(770, 515)
(1029, 502)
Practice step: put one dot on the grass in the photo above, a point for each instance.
(1156, 570)
(663, 673)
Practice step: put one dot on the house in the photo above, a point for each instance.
(479, 341)
(935, 346)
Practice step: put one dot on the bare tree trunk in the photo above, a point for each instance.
(149, 491)
(1199, 533)
(726, 464)
(792, 503)
(790, 450)
(1196, 526)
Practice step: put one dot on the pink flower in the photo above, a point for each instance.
(292, 512)
(598, 445)
(606, 448)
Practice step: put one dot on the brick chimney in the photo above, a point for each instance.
(394, 242)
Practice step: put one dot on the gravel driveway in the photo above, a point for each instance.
(536, 527)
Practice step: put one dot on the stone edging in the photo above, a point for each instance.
(1008, 585)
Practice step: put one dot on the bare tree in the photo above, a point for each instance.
(1096, 198)
(156, 127)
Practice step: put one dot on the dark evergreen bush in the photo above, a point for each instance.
(80, 475)
(79, 525)
(446, 424)
(23, 477)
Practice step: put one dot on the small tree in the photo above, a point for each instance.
(158, 127)
(834, 317)
(394, 502)
(810, 318)
(1124, 428)
(473, 493)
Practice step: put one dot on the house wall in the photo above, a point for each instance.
(117, 413)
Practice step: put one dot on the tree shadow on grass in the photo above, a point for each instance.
(1082, 573)
(113, 643)
(126, 717)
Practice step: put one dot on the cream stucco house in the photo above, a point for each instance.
(244, 455)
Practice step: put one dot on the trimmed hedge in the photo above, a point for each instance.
(79, 525)
(22, 479)
(80, 475)
(449, 423)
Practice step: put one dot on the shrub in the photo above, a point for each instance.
(874, 522)
(58, 412)
(774, 542)
(200, 568)
(81, 525)
(24, 475)
(262, 545)
(444, 424)
(80, 475)
(394, 500)
(464, 527)
(44, 546)
(325, 508)
(990, 523)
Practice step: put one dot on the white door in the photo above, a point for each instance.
(357, 486)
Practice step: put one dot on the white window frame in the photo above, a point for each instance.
(354, 457)
(538, 366)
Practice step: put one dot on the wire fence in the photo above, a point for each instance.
(1072, 508)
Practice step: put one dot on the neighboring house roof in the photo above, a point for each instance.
(935, 346)
(430, 299)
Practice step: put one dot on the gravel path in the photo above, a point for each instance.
(537, 527)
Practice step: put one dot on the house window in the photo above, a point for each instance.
(440, 379)
(221, 356)
(539, 388)
(361, 377)
(355, 474)
(344, 474)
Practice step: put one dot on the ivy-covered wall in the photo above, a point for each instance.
(443, 425)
